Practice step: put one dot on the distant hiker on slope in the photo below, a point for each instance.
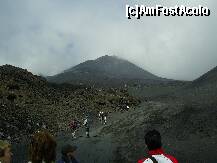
(87, 126)
(105, 118)
(100, 116)
(156, 153)
(73, 126)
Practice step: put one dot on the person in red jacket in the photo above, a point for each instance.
(73, 126)
(155, 151)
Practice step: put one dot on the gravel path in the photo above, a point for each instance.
(99, 148)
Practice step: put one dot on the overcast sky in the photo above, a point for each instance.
(49, 36)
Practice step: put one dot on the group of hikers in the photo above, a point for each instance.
(103, 117)
(74, 125)
(42, 149)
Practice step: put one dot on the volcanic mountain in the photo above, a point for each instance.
(105, 71)
(203, 90)
(208, 78)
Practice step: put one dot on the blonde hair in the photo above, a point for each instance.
(3, 145)
(42, 148)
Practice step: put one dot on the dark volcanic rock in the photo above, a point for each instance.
(27, 102)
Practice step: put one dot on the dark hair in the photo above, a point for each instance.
(65, 150)
(68, 148)
(42, 148)
(153, 140)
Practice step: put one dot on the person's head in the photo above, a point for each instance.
(42, 148)
(5, 152)
(153, 140)
(68, 150)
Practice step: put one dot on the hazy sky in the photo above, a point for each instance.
(49, 36)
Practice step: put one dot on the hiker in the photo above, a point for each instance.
(44, 126)
(87, 126)
(73, 126)
(38, 126)
(156, 153)
(68, 152)
(100, 116)
(105, 118)
(5, 152)
(42, 148)
(2, 135)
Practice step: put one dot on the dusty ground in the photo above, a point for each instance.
(188, 134)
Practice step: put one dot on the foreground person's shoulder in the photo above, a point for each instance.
(173, 159)
(142, 160)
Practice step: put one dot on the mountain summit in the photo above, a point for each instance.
(104, 71)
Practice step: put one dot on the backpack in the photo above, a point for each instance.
(152, 159)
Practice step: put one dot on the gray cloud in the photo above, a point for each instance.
(48, 36)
